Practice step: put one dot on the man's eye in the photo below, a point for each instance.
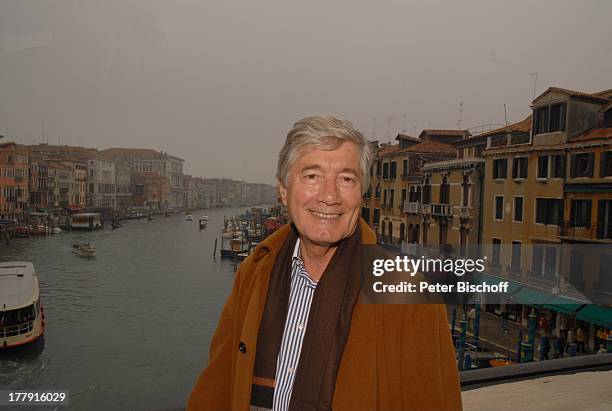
(348, 180)
(311, 178)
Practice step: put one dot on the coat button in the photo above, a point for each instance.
(242, 347)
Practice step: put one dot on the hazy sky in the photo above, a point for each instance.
(219, 83)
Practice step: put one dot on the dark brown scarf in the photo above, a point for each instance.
(328, 327)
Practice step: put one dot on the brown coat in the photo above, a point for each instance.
(397, 357)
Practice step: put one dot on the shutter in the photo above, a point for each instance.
(562, 164)
(573, 166)
(591, 164)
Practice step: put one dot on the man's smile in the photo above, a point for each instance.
(327, 216)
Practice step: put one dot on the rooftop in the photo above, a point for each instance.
(18, 284)
(430, 146)
(521, 126)
(601, 96)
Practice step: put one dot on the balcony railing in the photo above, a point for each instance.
(413, 207)
(585, 230)
(442, 210)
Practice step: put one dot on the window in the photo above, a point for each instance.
(496, 253)
(582, 165)
(519, 167)
(605, 169)
(550, 119)
(549, 211)
(385, 171)
(499, 207)
(378, 165)
(377, 192)
(557, 117)
(391, 198)
(604, 219)
(518, 208)
(580, 213)
(376, 215)
(557, 166)
(500, 168)
(537, 259)
(405, 167)
(393, 170)
(444, 192)
(543, 167)
(365, 213)
(403, 198)
(515, 262)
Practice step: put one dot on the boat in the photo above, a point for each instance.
(202, 222)
(232, 247)
(204, 217)
(189, 217)
(84, 249)
(86, 221)
(22, 318)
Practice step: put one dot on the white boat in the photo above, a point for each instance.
(84, 249)
(202, 222)
(204, 217)
(189, 217)
(57, 230)
(21, 315)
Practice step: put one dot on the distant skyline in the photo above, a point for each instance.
(219, 83)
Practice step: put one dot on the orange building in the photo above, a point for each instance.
(13, 182)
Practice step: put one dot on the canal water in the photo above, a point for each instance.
(130, 328)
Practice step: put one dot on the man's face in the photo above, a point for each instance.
(323, 194)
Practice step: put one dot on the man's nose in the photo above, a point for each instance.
(329, 193)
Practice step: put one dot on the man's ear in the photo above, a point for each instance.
(282, 192)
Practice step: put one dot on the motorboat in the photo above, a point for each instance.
(202, 222)
(22, 319)
(84, 249)
(204, 217)
(189, 217)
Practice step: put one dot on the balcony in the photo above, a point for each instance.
(442, 210)
(413, 208)
(586, 231)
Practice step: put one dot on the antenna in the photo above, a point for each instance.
(505, 114)
(460, 119)
(535, 82)
(374, 128)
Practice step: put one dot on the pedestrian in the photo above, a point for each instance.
(545, 347)
(471, 316)
(580, 340)
(503, 318)
(561, 343)
(602, 349)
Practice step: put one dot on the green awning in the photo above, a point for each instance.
(513, 286)
(564, 305)
(531, 296)
(596, 314)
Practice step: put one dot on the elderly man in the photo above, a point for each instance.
(295, 333)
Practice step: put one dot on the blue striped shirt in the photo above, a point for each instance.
(300, 297)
